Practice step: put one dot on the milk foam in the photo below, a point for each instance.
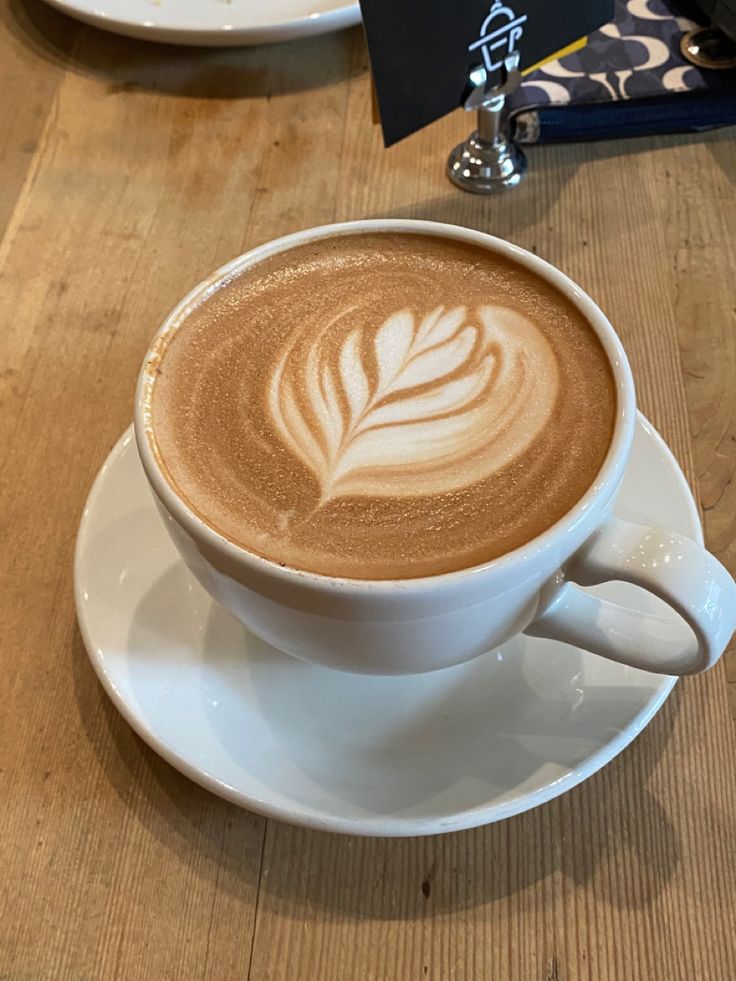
(415, 405)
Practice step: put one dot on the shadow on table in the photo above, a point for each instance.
(218, 73)
(610, 821)
(722, 147)
(552, 168)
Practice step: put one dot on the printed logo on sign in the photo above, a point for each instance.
(499, 35)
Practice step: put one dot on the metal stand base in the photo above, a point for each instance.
(484, 167)
(488, 160)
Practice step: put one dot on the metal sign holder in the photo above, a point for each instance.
(489, 161)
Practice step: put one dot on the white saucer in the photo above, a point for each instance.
(214, 22)
(366, 755)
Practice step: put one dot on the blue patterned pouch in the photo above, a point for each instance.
(630, 79)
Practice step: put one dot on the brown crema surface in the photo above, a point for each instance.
(277, 410)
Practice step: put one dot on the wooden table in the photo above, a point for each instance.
(129, 171)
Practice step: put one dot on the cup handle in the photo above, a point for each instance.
(675, 569)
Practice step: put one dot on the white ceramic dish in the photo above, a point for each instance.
(412, 755)
(214, 22)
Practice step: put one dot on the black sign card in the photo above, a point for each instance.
(422, 51)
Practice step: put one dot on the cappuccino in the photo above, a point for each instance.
(382, 405)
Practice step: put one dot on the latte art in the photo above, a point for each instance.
(382, 405)
(414, 406)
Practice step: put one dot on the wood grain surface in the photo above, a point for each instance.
(128, 172)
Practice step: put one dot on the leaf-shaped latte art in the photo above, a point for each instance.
(415, 406)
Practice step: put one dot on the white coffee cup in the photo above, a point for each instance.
(412, 625)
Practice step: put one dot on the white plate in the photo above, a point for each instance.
(214, 22)
(378, 756)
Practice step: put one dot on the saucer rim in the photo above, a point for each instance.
(244, 33)
(383, 826)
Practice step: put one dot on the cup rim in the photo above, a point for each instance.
(608, 476)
